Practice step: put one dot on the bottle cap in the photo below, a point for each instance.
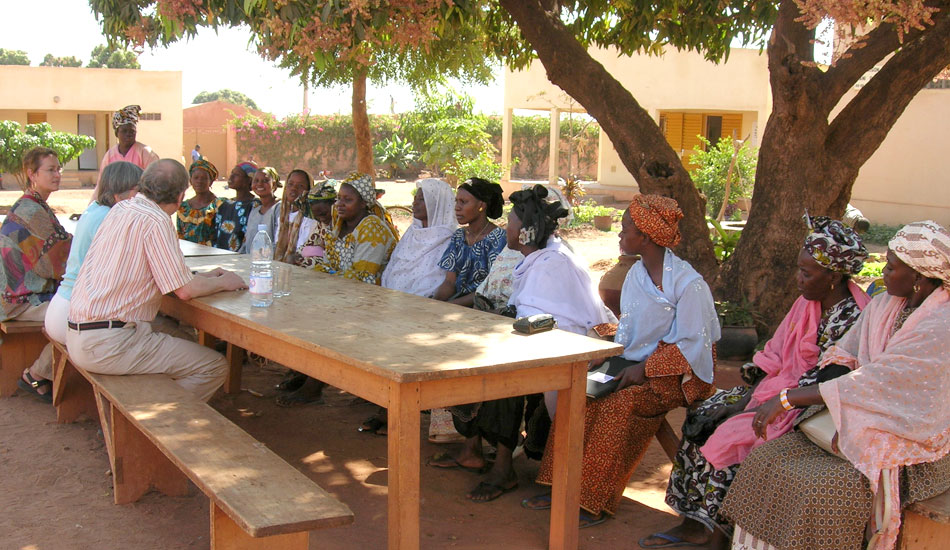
(261, 227)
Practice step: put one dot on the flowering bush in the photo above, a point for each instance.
(15, 143)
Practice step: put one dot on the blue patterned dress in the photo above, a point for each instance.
(471, 264)
(230, 223)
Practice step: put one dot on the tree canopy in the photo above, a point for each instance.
(108, 57)
(230, 96)
(52, 61)
(13, 57)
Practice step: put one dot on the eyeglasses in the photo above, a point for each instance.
(57, 170)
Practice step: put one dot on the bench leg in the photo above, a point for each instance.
(922, 533)
(668, 439)
(227, 535)
(137, 465)
(72, 393)
(17, 352)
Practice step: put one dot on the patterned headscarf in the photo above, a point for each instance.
(203, 164)
(248, 167)
(274, 177)
(925, 247)
(126, 115)
(364, 186)
(834, 245)
(323, 191)
(657, 217)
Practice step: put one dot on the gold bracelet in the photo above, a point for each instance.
(783, 397)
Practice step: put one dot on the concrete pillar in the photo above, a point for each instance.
(506, 145)
(555, 146)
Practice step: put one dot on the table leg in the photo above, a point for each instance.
(236, 355)
(404, 449)
(568, 451)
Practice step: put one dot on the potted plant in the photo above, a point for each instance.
(738, 331)
(602, 217)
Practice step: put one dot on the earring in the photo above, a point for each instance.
(916, 288)
(832, 286)
(481, 208)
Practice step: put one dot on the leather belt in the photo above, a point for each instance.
(95, 325)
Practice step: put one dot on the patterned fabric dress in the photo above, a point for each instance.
(34, 247)
(361, 254)
(198, 224)
(471, 264)
(618, 427)
(792, 495)
(697, 489)
(230, 222)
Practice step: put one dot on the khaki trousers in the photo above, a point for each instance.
(137, 349)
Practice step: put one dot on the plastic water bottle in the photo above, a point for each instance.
(262, 274)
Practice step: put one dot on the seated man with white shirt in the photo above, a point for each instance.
(132, 262)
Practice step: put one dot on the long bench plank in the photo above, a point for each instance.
(257, 489)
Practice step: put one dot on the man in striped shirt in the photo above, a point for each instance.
(132, 262)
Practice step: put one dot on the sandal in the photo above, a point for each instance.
(537, 502)
(291, 382)
(371, 425)
(672, 541)
(296, 398)
(490, 491)
(587, 520)
(446, 461)
(32, 386)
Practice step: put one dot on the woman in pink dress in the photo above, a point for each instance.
(124, 122)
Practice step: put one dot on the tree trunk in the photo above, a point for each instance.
(639, 142)
(364, 139)
(804, 160)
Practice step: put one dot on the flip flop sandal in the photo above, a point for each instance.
(292, 382)
(371, 425)
(492, 490)
(292, 400)
(448, 462)
(537, 502)
(33, 385)
(587, 520)
(672, 541)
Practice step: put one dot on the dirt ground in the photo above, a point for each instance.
(56, 489)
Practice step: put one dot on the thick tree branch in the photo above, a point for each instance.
(792, 76)
(639, 142)
(860, 128)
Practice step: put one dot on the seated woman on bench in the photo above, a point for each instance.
(473, 248)
(550, 280)
(34, 247)
(828, 306)
(890, 413)
(668, 326)
(358, 247)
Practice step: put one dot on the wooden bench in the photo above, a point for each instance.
(926, 524)
(159, 436)
(23, 341)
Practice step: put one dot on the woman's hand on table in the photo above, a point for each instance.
(765, 415)
(634, 375)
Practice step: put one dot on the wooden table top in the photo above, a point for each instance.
(190, 249)
(396, 335)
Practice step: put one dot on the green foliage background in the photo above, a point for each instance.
(14, 143)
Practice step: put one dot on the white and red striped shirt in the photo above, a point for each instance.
(133, 260)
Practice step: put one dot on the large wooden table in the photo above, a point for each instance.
(408, 354)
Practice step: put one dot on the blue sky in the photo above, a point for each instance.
(209, 62)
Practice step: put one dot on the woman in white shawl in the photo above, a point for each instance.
(414, 265)
(549, 280)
